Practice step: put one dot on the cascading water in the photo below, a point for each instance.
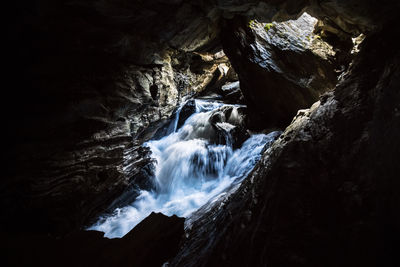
(194, 165)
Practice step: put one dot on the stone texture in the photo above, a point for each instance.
(282, 67)
(324, 193)
(93, 77)
(85, 78)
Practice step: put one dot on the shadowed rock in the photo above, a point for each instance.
(80, 76)
(324, 194)
(151, 243)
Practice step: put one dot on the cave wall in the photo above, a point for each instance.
(89, 76)
(325, 193)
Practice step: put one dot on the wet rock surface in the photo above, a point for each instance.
(230, 126)
(187, 110)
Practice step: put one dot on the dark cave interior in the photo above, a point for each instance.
(90, 81)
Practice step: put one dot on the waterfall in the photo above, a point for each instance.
(195, 163)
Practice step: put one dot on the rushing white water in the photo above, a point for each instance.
(191, 169)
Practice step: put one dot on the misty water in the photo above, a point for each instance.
(193, 166)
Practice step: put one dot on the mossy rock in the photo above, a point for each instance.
(268, 26)
(252, 24)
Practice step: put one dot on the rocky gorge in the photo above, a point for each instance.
(94, 80)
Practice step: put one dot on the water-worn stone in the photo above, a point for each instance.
(187, 110)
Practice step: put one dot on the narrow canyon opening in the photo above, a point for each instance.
(202, 133)
(212, 140)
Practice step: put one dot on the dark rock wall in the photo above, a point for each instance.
(324, 193)
(87, 77)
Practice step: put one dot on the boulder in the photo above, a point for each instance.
(229, 124)
(282, 67)
(187, 110)
(231, 93)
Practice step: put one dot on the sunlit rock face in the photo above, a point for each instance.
(282, 67)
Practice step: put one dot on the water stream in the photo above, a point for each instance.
(195, 163)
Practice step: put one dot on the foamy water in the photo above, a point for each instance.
(191, 169)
